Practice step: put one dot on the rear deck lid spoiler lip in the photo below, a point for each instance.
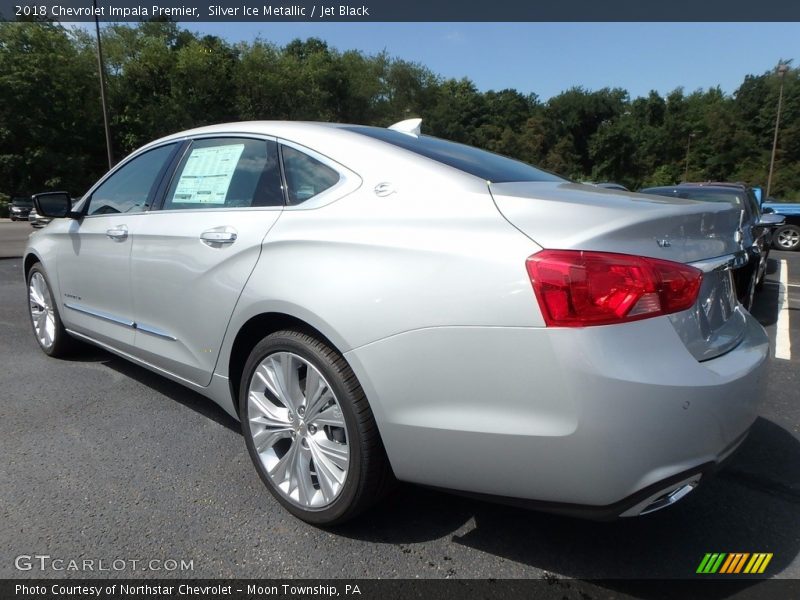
(719, 263)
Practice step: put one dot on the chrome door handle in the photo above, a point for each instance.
(118, 233)
(213, 237)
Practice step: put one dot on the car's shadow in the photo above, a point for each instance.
(162, 385)
(765, 303)
(752, 505)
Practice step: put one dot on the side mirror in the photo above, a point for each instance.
(770, 220)
(54, 205)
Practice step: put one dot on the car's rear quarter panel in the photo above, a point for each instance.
(584, 416)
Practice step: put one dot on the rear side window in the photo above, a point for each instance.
(486, 165)
(226, 173)
(129, 188)
(305, 175)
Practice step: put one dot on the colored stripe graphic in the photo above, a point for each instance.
(711, 562)
(734, 562)
(724, 563)
(758, 563)
(765, 563)
(727, 564)
(703, 563)
(740, 564)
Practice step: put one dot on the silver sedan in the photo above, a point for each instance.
(376, 304)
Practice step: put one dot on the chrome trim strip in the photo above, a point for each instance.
(154, 331)
(101, 315)
(120, 321)
(729, 261)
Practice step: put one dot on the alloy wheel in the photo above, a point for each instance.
(298, 430)
(42, 312)
(788, 238)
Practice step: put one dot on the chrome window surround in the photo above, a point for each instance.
(348, 182)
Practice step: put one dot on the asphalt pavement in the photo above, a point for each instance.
(106, 460)
(13, 237)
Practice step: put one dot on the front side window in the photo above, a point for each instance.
(226, 173)
(305, 175)
(129, 189)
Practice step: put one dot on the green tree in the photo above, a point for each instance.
(50, 137)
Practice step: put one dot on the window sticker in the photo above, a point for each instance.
(207, 175)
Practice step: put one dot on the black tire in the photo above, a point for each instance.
(63, 344)
(793, 231)
(13, 218)
(369, 475)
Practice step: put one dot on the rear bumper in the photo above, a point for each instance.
(660, 494)
(582, 421)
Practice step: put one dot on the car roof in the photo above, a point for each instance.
(271, 128)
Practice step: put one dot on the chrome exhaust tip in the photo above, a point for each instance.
(664, 498)
(668, 499)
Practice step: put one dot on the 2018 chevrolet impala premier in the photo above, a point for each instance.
(374, 303)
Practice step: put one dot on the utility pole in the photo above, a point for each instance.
(782, 69)
(102, 71)
(688, 149)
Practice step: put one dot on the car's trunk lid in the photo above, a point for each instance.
(578, 217)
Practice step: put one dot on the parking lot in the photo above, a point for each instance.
(13, 236)
(105, 460)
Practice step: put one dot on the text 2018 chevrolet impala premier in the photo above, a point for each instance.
(374, 303)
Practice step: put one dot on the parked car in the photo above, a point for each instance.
(786, 236)
(755, 229)
(19, 209)
(375, 303)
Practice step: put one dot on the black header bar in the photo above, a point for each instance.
(403, 10)
(550, 588)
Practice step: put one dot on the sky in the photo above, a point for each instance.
(548, 58)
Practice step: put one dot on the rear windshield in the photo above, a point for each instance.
(486, 165)
(702, 194)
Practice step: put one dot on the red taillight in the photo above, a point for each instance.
(576, 288)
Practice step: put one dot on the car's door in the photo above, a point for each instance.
(191, 258)
(93, 259)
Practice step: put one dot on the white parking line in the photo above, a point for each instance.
(783, 345)
(773, 282)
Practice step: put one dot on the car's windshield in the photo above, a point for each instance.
(22, 203)
(486, 165)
